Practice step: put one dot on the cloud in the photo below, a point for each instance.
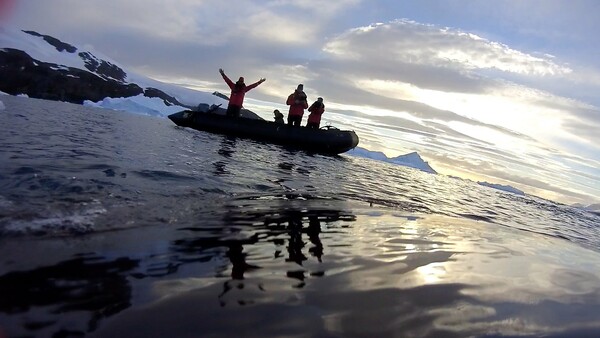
(317, 7)
(404, 41)
(152, 17)
(275, 28)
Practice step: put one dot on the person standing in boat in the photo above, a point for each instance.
(297, 102)
(316, 110)
(238, 91)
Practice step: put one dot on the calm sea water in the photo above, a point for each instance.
(113, 224)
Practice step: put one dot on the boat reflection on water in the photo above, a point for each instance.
(266, 232)
(227, 146)
(226, 150)
(224, 250)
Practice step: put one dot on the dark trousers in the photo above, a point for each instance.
(294, 120)
(233, 111)
(314, 125)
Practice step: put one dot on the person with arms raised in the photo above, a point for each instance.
(297, 102)
(238, 91)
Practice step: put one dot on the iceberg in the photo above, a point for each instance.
(506, 188)
(412, 160)
(140, 104)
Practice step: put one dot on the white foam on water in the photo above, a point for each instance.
(79, 221)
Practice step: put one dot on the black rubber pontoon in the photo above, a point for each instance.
(329, 141)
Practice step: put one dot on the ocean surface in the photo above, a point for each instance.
(120, 225)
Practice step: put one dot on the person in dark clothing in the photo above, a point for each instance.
(316, 110)
(278, 116)
(238, 91)
(297, 102)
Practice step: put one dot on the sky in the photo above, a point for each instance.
(500, 91)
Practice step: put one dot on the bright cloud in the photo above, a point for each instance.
(280, 29)
(412, 43)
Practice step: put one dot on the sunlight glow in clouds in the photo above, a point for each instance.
(486, 54)
(501, 109)
(279, 29)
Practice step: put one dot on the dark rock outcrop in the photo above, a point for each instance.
(59, 45)
(168, 99)
(103, 68)
(21, 74)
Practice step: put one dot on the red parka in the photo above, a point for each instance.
(297, 102)
(238, 92)
(316, 110)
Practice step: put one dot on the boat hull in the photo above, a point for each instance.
(322, 141)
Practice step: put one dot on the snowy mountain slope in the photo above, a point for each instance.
(40, 49)
(42, 66)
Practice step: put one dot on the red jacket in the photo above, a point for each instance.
(236, 98)
(316, 110)
(297, 102)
